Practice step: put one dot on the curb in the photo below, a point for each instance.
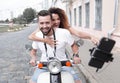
(90, 78)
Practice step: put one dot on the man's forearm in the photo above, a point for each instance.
(75, 48)
(33, 54)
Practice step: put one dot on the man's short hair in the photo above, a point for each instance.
(44, 13)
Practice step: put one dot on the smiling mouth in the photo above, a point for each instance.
(56, 25)
(45, 30)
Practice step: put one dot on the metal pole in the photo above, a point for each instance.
(115, 25)
(116, 14)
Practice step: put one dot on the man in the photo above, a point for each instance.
(62, 37)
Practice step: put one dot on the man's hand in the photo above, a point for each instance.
(33, 62)
(76, 60)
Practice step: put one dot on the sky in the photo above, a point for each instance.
(14, 8)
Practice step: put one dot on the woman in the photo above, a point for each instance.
(60, 20)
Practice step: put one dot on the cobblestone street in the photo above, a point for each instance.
(14, 59)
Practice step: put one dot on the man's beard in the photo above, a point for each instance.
(45, 33)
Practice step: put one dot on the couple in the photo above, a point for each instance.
(53, 37)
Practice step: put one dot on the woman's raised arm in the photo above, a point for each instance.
(83, 35)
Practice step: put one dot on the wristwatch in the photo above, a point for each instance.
(75, 55)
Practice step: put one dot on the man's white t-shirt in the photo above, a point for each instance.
(63, 38)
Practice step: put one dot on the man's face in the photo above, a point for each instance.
(45, 24)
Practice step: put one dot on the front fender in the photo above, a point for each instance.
(65, 76)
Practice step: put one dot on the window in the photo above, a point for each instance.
(80, 15)
(87, 14)
(70, 17)
(116, 14)
(98, 14)
(75, 16)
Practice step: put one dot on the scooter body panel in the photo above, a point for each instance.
(65, 76)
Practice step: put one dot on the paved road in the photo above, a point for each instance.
(13, 57)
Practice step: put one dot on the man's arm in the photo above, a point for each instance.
(75, 50)
(33, 57)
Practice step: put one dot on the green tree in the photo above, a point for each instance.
(19, 20)
(29, 14)
(7, 20)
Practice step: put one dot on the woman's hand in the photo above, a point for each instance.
(94, 40)
(50, 41)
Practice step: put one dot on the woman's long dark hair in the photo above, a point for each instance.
(63, 17)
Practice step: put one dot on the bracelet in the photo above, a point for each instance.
(75, 55)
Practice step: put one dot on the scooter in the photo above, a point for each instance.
(54, 74)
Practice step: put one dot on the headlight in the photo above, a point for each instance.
(54, 66)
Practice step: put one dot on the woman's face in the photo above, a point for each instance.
(56, 20)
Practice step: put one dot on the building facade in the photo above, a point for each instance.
(98, 17)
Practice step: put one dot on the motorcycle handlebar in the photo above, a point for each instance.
(63, 63)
